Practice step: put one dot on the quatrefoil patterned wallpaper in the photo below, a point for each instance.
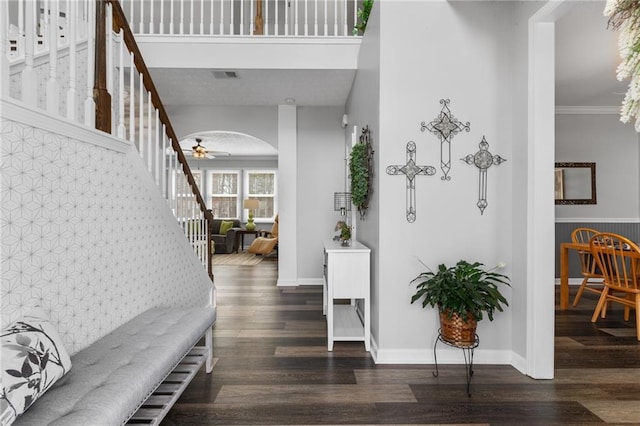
(81, 241)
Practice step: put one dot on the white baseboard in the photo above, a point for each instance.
(446, 355)
(310, 281)
(519, 363)
(287, 283)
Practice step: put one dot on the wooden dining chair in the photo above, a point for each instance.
(592, 277)
(619, 260)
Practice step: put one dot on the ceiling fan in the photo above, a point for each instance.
(199, 152)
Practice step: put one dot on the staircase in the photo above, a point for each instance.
(59, 56)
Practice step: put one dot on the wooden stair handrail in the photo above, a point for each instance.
(103, 110)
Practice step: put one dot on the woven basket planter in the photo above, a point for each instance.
(456, 330)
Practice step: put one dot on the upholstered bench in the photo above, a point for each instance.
(111, 379)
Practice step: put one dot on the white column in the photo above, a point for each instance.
(266, 18)
(4, 60)
(276, 28)
(171, 13)
(191, 18)
(89, 104)
(355, 13)
(163, 162)
(141, 116)
(541, 214)
(211, 26)
(251, 24)
(335, 18)
(181, 19)
(326, 18)
(151, 29)
(161, 25)
(72, 24)
(132, 99)
(221, 17)
(21, 23)
(306, 17)
(141, 17)
(111, 65)
(231, 23)
(201, 16)
(295, 18)
(344, 18)
(150, 116)
(53, 88)
(242, 17)
(315, 18)
(158, 147)
(122, 131)
(287, 199)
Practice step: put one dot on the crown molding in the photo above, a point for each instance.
(569, 109)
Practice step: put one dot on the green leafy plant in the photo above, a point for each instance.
(363, 17)
(361, 172)
(345, 230)
(466, 288)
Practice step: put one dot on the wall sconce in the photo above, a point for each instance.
(251, 205)
(342, 202)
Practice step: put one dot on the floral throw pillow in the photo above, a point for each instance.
(33, 359)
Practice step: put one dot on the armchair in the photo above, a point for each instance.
(266, 241)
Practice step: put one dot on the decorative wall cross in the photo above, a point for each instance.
(411, 170)
(445, 126)
(483, 159)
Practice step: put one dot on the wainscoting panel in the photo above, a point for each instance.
(82, 235)
(630, 230)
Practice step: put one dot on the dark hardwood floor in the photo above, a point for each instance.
(273, 368)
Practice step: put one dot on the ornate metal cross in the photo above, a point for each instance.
(411, 170)
(445, 126)
(483, 159)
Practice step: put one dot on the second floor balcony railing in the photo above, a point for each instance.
(311, 18)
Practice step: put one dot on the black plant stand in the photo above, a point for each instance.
(467, 350)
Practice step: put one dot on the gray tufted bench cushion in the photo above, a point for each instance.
(110, 379)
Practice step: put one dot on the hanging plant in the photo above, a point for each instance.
(361, 171)
(363, 17)
(624, 16)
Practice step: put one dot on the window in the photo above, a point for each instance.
(224, 194)
(261, 185)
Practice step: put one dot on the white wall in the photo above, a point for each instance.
(363, 109)
(320, 174)
(613, 146)
(417, 71)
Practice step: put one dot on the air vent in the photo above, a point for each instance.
(221, 75)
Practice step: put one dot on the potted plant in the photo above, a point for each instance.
(462, 293)
(345, 233)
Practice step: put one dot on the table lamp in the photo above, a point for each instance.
(251, 205)
(342, 202)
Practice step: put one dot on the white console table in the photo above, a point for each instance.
(346, 276)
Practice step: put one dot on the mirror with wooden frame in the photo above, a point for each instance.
(575, 183)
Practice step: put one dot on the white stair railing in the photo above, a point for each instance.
(137, 115)
(47, 55)
(51, 64)
(307, 18)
